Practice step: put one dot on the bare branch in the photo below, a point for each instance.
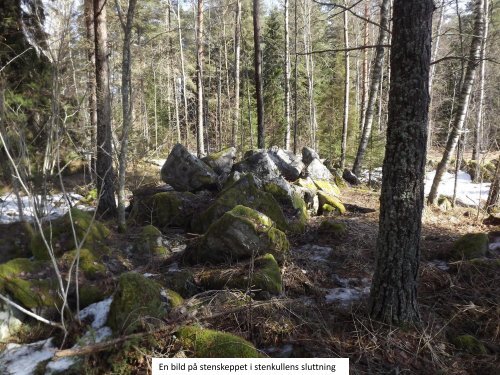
(343, 49)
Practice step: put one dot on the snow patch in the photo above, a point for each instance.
(316, 253)
(346, 295)
(440, 264)
(98, 311)
(23, 359)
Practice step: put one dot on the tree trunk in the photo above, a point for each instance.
(494, 193)
(91, 84)
(295, 85)
(127, 104)
(200, 145)
(364, 73)
(106, 205)
(345, 122)
(374, 86)
(393, 297)
(183, 72)
(261, 142)
(287, 78)
(237, 51)
(463, 101)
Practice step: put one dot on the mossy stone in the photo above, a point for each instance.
(328, 187)
(90, 294)
(265, 276)
(238, 234)
(60, 234)
(332, 227)
(307, 183)
(149, 242)
(469, 344)
(470, 246)
(299, 221)
(174, 298)
(246, 192)
(327, 199)
(444, 203)
(137, 297)
(207, 343)
(89, 263)
(182, 282)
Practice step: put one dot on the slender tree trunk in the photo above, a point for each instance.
(261, 142)
(494, 193)
(436, 41)
(104, 160)
(463, 100)
(295, 84)
(393, 297)
(345, 122)
(310, 73)
(237, 52)
(364, 73)
(374, 86)
(200, 145)
(183, 72)
(287, 78)
(476, 150)
(127, 104)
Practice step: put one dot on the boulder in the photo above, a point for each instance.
(260, 164)
(309, 197)
(332, 227)
(328, 187)
(262, 277)
(90, 263)
(470, 246)
(10, 321)
(149, 244)
(207, 343)
(60, 234)
(289, 164)
(247, 192)
(182, 282)
(185, 172)
(317, 171)
(330, 204)
(137, 299)
(239, 234)
(221, 162)
(350, 177)
(308, 155)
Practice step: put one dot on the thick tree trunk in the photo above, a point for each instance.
(91, 84)
(345, 122)
(237, 51)
(463, 100)
(200, 145)
(261, 142)
(287, 77)
(106, 205)
(374, 86)
(127, 110)
(494, 193)
(393, 296)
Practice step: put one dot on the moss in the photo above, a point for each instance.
(238, 234)
(174, 298)
(89, 263)
(469, 246)
(243, 192)
(301, 217)
(470, 344)
(90, 294)
(181, 282)
(328, 187)
(332, 227)
(60, 234)
(136, 298)
(326, 199)
(265, 276)
(207, 343)
(277, 191)
(148, 241)
(307, 183)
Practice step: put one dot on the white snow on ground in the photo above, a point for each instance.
(56, 205)
(346, 295)
(23, 359)
(468, 193)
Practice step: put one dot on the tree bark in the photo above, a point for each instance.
(393, 297)
(261, 142)
(127, 110)
(237, 51)
(287, 77)
(374, 86)
(200, 145)
(183, 71)
(494, 193)
(106, 205)
(463, 101)
(345, 122)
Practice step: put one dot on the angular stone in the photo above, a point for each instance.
(308, 155)
(221, 162)
(317, 171)
(185, 172)
(289, 164)
(330, 200)
(260, 164)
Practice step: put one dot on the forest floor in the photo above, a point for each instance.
(323, 310)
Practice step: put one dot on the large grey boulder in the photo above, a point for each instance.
(185, 172)
(260, 164)
(308, 155)
(221, 162)
(317, 171)
(289, 164)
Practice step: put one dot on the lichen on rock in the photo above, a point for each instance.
(326, 200)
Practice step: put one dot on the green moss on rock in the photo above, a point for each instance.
(328, 187)
(136, 298)
(332, 227)
(90, 294)
(207, 343)
(174, 298)
(238, 234)
(89, 263)
(470, 246)
(59, 233)
(307, 183)
(326, 199)
(182, 282)
(469, 344)
(246, 192)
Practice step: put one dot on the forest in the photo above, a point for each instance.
(278, 179)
